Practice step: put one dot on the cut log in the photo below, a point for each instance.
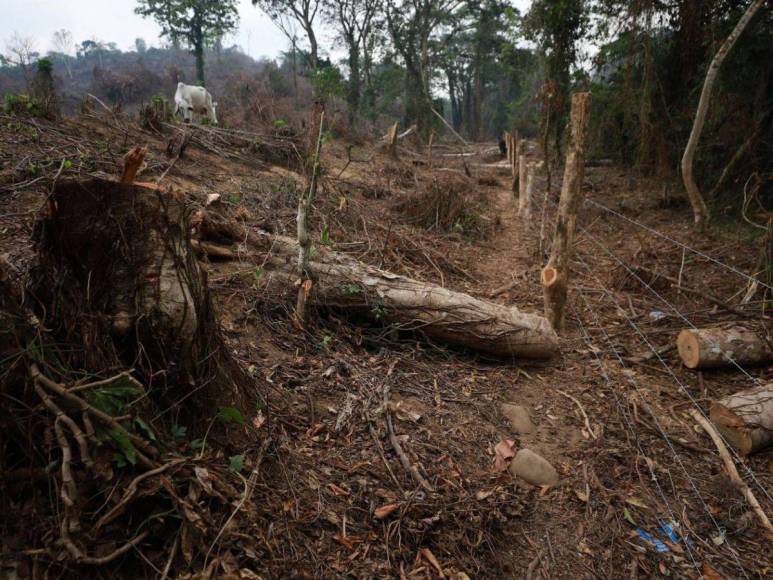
(347, 285)
(709, 348)
(746, 419)
(555, 275)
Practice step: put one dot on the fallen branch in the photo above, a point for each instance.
(732, 471)
(409, 467)
(582, 410)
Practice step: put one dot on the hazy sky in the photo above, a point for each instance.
(115, 21)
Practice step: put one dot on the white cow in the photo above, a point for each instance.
(191, 99)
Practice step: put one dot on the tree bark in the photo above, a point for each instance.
(700, 210)
(746, 418)
(709, 348)
(525, 199)
(347, 285)
(555, 275)
(117, 278)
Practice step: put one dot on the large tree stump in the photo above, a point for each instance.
(708, 348)
(347, 285)
(118, 280)
(555, 275)
(746, 419)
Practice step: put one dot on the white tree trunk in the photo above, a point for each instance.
(700, 210)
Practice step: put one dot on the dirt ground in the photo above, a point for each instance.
(611, 413)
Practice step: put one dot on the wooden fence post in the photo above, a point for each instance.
(555, 275)
(524, 201)
(392, 141)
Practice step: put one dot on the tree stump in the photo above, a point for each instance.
(118, 280)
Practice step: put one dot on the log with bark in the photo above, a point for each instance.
(746, 419)
(347, 285)
(118, 280)
(555, 275)
(708, 348)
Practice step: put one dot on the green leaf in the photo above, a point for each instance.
(325, 237)
(121, 438)
(119, 460)
(67, 164)
(628, 516)
(230, 415)
(236, 463)
(179, 431)
(197, 444)
(145, 428)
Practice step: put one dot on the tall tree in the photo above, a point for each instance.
(558, 26)
(700, 210)
(354, 19)
(412, 24)
(63, 43)
(304, 12)
(197, 23)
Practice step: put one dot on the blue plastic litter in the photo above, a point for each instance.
(660, 547)
(668, 530)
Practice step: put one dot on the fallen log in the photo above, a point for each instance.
(746, 419)
(345, 284)
(708, 348)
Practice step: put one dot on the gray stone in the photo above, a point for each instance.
(533, 469)
(518, 417)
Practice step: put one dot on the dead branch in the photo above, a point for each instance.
(409, 467)
(733, 472)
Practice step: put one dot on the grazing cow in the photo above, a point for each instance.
(190, 100)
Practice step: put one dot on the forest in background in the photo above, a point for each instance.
(484, 65)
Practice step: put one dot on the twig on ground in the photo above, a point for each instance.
(733, 472)
(582, 410)
(410, 468)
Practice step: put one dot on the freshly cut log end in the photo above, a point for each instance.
(554, 290)
(746, 419)
(689, 349)
(720, 347)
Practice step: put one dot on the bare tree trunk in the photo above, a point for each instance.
(525, 199)
(700, 210)
(304, 208)
(555, 275)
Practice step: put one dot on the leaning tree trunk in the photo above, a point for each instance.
(708, 348)
(746, 419)
(700, 210)
(347, 285)
(118, 280)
